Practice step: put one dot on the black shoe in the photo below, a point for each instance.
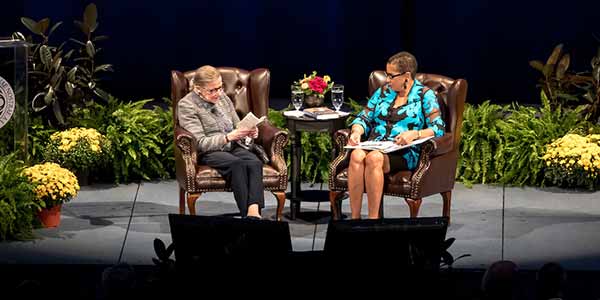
(253, 218)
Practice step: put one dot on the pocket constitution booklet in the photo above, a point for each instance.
(250, 121)
(386, 146)
(321, 113)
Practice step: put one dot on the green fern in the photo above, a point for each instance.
(504, 144)
(140, 138)
(17, 203)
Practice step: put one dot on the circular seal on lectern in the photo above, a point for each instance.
(7, 102)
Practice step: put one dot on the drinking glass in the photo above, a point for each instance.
(337, 96)
(297, 97)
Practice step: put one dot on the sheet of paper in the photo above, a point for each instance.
(386, 146)
(250, 121)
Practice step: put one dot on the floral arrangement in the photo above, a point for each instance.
(54, 185)
(574, 160)
(77, 149)
(315, 85)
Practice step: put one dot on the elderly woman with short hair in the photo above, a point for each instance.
(208, 113)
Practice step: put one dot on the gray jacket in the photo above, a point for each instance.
(197, 116)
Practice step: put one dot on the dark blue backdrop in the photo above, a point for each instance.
(489, 44)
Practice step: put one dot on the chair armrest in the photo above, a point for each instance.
(441, 145)
(340, 139)
(435, 147)
(186, 158)
(185, 141)
(273, 141)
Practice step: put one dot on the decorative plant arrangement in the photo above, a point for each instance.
(505, 144)
(78, 149)
(314, 88)
(64, 76)
(54, 186)
(574, 161)
(141, 139)
(315, 85)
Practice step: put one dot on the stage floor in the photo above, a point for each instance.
(106, 224)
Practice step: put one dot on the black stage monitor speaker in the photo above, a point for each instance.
(412, 243)
(208, 239)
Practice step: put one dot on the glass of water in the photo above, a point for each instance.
(337, 96)
(297, 97)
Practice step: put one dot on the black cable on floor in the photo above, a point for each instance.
(129, 223)
(316, 222)
(503, 194)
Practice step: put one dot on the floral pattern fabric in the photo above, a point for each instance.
(382, 122)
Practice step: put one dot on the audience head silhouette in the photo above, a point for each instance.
(500, 281)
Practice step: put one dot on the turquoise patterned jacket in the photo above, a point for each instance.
(382, 122)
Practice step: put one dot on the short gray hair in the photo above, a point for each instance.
(204, 75)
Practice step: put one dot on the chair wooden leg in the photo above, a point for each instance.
(280, 195)
(413, 206)
(191, 202)
(447, 197)
(181, 201)
(335, 207)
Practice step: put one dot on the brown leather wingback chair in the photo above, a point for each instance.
(249, 91)
(436, 169)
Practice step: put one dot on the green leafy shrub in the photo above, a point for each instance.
(568, 89)
(505, 144)
(67, 75)
(140, 139)
(526, 133)
(38, 136)
(17, 205)
(481, 148)
(166, 137)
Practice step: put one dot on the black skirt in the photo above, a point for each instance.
(397, 161)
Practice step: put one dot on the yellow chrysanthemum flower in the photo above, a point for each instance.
(54, 183)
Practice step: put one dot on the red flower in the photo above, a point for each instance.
(317, 84)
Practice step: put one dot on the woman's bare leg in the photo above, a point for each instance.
(374, 170)
(356, 184)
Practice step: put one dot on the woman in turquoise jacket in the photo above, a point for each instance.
(402, 110)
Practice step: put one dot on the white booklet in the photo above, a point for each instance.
(250, 121)
(386, 146)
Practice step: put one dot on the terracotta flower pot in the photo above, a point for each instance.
(313, 101)
(50, 217)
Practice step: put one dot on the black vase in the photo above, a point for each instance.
(313, 100)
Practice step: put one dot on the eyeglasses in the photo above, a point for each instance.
(213, 91)
(390, 76)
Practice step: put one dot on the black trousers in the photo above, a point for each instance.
(244, 171)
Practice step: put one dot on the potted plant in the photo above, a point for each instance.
(79, 150)
(574, 161)
(314, 88)
(54, 186)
